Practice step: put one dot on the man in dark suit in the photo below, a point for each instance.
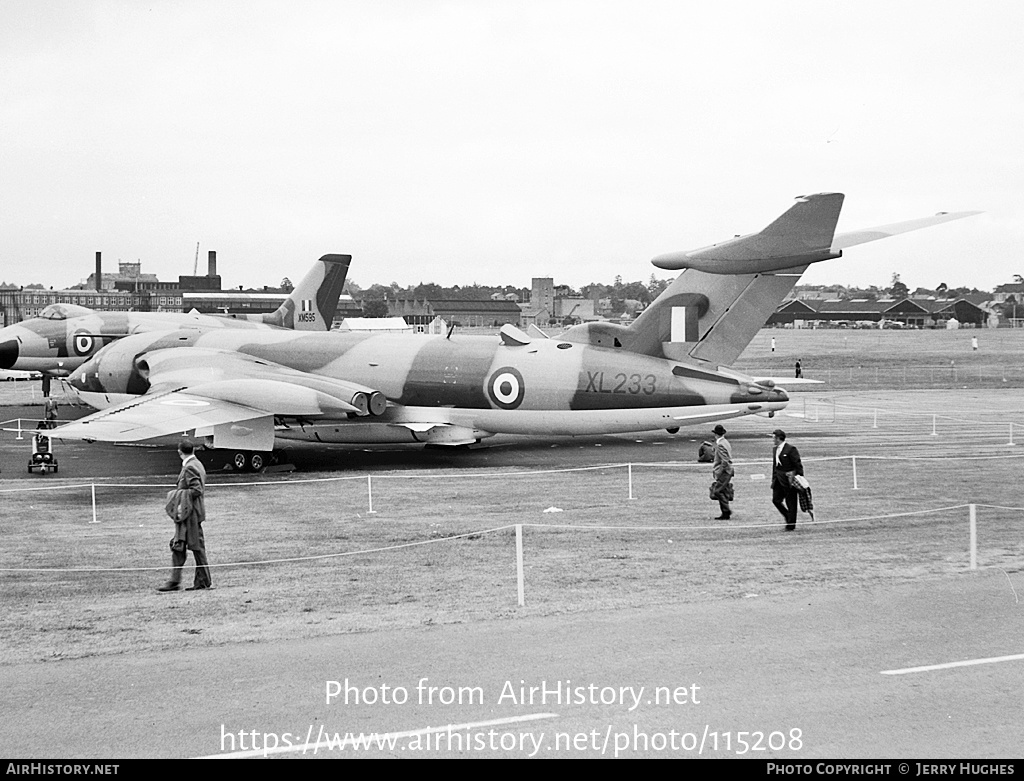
(785, 463)
(188, 535)
(722, 472)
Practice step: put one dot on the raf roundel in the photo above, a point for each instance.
(83, 344)
(506, 388)
(185, 403)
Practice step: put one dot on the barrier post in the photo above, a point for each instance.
(875, 424)
(519, 565)
(973, 513)
(854, 458)
(369, 494)
(934, 432)
(19, 430)
(94, 504)
(630, 468)
(1011, 434)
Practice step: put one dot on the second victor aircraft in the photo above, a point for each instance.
(64, 336)
(670, 367)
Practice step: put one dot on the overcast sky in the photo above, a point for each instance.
(491, 142)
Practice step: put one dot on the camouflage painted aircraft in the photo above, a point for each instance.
(64, 336)
(670, 367)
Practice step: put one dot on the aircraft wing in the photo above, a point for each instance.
(802, 235)
(851, 239)
(155, 415)
(227, 395)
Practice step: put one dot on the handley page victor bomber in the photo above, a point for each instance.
(669, 368)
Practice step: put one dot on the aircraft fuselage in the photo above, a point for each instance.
(58, 346)
(462, 372)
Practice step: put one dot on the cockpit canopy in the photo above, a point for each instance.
(63, 311)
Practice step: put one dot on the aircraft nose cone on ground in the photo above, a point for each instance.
(86, 378)
(78, 379)
(8, 354)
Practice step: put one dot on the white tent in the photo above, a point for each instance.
(388, 324)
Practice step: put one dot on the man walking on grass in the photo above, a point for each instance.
(186, 505)
(785, 465)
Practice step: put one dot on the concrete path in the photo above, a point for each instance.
(811, 676)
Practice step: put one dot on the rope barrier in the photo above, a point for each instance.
(730, 527)
(521, 473)
(565, 527)
(866, 409)
(292, 559)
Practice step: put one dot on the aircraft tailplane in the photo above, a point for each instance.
(802, 234)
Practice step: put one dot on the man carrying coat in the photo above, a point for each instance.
(722, 472)
(186, 505)
(785, 464)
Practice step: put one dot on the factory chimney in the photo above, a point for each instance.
(212, 267)
(99, 274)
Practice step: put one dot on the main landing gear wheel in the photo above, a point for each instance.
(248, 462)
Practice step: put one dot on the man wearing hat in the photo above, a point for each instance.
(722, 472)
(785, 464)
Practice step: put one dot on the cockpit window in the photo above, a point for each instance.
(63, 311)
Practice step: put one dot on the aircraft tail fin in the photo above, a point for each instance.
(313, 302)
(725, 293)
(702, 317)
(710, 317)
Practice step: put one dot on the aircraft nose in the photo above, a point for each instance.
(8, 354)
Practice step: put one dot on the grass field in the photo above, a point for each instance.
(875, 358)
(298, 558)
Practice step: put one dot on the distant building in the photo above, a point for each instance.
(552, 304)
(575, 308)
(233, 302)
(1004, 292)
(531, 316)
(542, 295)
(482, 312)
(18, 305)
(128, 277)
(912, 312)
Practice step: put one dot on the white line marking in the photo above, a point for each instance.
(373, 737)
(968, 663)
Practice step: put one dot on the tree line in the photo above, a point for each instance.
(643, 292)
